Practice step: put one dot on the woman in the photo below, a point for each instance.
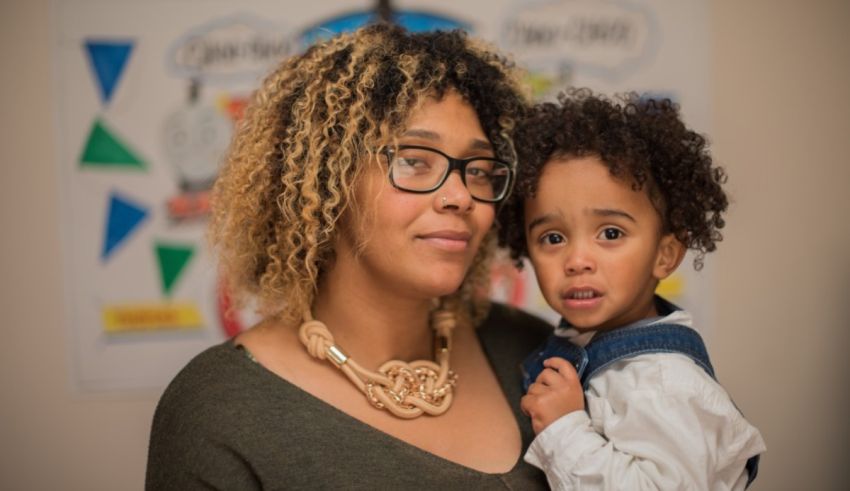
(356, 207)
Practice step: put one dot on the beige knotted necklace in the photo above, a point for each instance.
(407, 390)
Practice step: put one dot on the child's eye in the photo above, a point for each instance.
(551, 238)
(611, 233)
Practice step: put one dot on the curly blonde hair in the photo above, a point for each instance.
(310, 130)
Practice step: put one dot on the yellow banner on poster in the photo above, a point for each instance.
(151, 317)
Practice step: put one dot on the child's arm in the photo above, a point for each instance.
(662, 424)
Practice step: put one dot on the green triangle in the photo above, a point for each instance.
(172, 261)
(103, 148)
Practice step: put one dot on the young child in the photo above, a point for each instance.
(610, 195)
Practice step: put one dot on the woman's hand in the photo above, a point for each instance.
(556, 392)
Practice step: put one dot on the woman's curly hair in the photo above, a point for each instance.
(642, 141)
(309, 133)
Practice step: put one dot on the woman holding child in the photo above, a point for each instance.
(356, 207)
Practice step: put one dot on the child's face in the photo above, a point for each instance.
(596, 244)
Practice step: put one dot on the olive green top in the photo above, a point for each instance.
(225, 422)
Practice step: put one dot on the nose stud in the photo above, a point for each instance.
(444, 201)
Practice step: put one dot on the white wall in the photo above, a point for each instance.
(781, 127)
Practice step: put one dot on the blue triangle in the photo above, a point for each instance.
(108, 59)
(122, 219)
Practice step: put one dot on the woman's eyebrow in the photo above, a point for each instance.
(426, 134)
(475, 143)
(478, 144)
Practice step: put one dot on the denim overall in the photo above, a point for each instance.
(608, 347)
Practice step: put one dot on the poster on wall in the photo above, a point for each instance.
(147, 96)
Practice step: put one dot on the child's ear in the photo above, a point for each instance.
(669, 256)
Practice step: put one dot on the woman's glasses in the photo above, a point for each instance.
(418, 169)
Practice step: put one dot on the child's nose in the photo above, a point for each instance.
(579, 260)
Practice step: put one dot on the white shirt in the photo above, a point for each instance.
(656, 421)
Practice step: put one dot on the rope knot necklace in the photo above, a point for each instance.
(406, 390)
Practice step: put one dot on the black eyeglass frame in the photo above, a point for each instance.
(454, 164)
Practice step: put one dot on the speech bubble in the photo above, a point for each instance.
(607, 38)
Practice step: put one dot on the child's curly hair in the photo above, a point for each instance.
(310, 131)
(643, 141)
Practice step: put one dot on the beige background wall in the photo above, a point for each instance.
(781, 92)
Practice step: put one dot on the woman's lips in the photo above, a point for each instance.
(449, 240)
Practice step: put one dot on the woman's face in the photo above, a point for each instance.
(420, 245)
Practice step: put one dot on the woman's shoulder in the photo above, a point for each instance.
(202, 384)
(221, 421)
(222, 395)
(217, 386)
(208, 368)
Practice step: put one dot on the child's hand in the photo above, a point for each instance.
(556, 392)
